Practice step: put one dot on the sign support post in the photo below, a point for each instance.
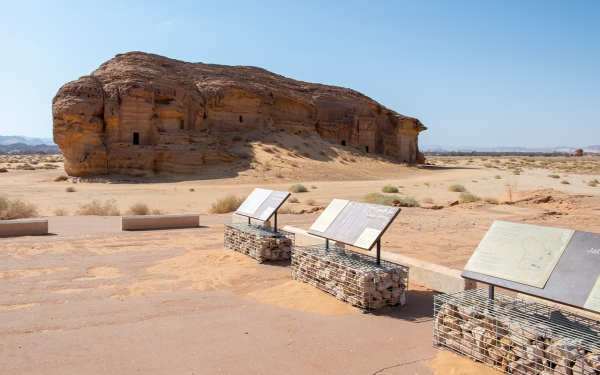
(379, 251)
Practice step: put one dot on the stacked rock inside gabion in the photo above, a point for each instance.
(258, 243)
(517, 337)
(352, 277)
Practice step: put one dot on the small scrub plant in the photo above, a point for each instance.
(313, 187)
(298, 188)
(427, 200)
(286, 210)
(389, 189)
(138, 209)
(278, 174)
(565, 182)
(99, 208)
(226, 204)
(468, 197)
(61, 178)
(191, 189)
(11, 209)
(310, 202)
(553, 176)
(388, 200)
(426, 183)
(457, 188)
(491, 200)
(593, 183)
(156, 211)
(510, 186)
(70, 189)
(61, 212)
(497, 177)
(293, 200)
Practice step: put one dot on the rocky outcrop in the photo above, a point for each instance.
(141, 113)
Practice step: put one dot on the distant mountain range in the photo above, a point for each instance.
(559, 149)
(6, 140)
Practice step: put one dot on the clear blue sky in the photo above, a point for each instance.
(483, 73)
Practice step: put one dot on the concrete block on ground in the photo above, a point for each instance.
(33, 227)
(430, 275)
(425, 274)
(160, 222)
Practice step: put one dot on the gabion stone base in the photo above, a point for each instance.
(516, 336)
(258, 241)
(351, 277)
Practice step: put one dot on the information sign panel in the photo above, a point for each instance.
(261, 204)
(573, 281)
(522, 253)
(354, 223)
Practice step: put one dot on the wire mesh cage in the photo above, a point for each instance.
(259, 241)
(516, 336)
(352, 277)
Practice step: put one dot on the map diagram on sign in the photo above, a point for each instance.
(522, 253)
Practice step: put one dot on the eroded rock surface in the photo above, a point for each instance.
(141, 113)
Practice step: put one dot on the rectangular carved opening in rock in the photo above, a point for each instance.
(241, 119)
(181, 124)
(343, 143)
(367, 149)
(136, 138)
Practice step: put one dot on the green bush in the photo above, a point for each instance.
(298, 188)
(388, 200)
(458, 188)
(389, 189)
(468, 197)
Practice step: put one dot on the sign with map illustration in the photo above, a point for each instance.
(522, 253)
(354, 223)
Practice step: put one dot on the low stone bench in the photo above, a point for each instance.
(160, 222)
(23, 227)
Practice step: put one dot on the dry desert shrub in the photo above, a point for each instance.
(293, 200)
(11, 209)
(565, 182)
(286, 210)
(490, 200)
(70, 189)
(313, 187)
(389, 189)
(427, 200)
(138, 209)
(468, 197)
(497, 177)
(510, 186)
(593, 183)
(458, 188)
(553, 176)
(99, 208)
(191, 189)
(61, 178)
(388, 200)
(298, 188)
(61, 212)
(278, 174)
(310, 202)
(229, 203)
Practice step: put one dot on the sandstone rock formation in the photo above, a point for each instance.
(141, 113)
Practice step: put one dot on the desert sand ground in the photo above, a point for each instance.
(92, 299)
